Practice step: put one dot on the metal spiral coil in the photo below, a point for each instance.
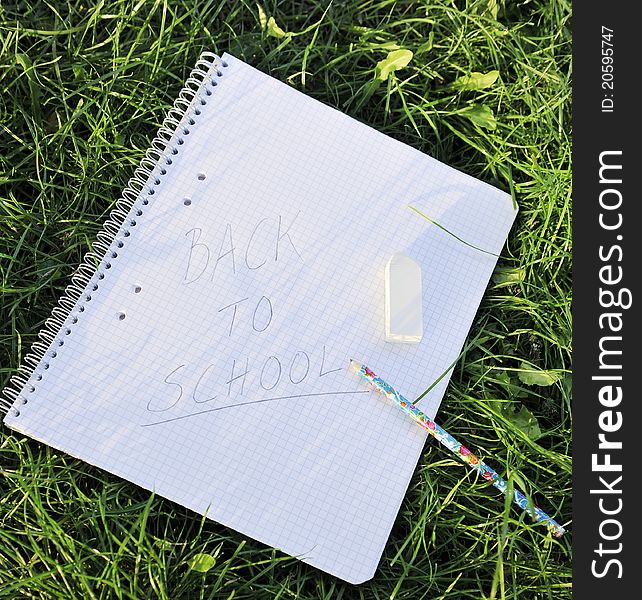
(136, 196)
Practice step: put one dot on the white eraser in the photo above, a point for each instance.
(403, 300)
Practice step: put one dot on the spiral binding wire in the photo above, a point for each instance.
(137, 195)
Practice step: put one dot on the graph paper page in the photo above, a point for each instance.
(210, 364)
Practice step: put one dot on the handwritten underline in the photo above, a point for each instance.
(202, 412)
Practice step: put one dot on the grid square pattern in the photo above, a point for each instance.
(210, 365)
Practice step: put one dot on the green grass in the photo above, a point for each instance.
(85, 87)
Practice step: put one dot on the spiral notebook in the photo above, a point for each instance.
(201, 350)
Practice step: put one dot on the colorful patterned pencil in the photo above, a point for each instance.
(463, 453)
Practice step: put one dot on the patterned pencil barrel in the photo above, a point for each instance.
(458, 449)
